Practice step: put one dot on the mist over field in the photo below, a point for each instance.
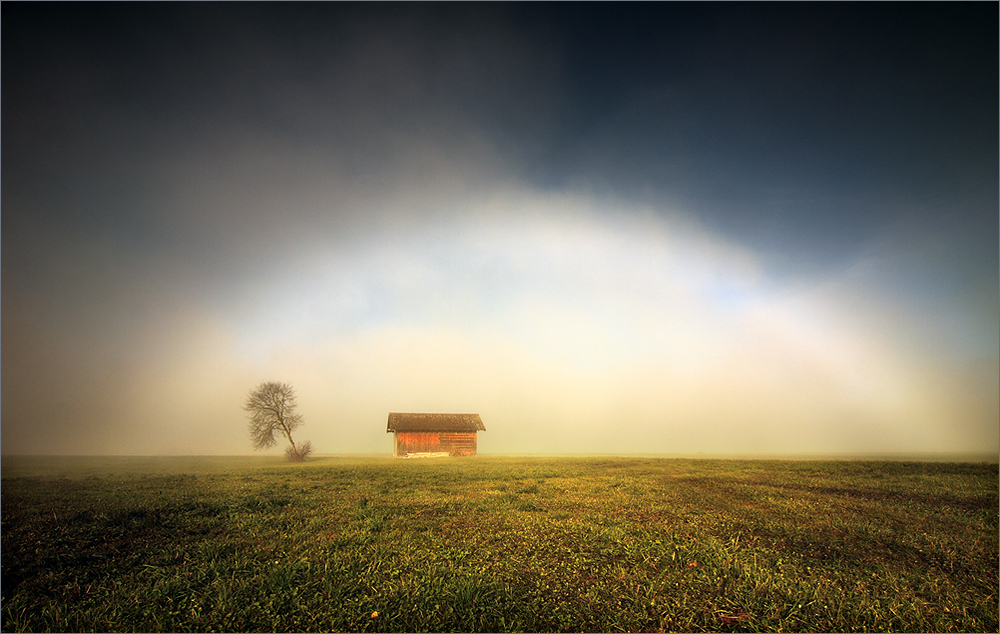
(606, 229)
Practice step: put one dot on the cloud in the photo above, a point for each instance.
(571, 322)
(373, 218)
(576, 329)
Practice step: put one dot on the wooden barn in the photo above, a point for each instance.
(426, 435)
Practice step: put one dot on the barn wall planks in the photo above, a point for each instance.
(455, 443)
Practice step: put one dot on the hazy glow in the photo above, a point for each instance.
(595, 253)
(567, 330)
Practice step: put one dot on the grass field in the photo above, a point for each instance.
(497, 544)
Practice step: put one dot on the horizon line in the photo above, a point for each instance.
(803, 456)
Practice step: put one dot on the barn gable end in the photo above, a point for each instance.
(420, 434)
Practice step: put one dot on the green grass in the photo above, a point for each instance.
(497, 544)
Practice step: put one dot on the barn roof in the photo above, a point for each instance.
(434, 422)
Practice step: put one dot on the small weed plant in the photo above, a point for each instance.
(498, 544)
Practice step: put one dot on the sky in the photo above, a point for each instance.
(659, 228)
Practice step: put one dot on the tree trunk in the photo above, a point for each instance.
(294, 455)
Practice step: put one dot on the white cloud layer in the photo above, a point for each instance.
(568, 324)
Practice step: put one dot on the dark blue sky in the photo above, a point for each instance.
(762, 119)
(167, 166)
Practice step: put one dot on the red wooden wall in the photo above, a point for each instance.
(455, 443)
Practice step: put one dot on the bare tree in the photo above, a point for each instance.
(272, 411)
